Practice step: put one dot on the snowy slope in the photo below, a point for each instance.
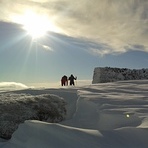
(106, 115)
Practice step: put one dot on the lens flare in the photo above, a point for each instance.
(127, 115)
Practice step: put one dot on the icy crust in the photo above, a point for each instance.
(108, 74)
(15, 108)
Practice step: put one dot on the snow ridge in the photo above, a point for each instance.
(108, 74)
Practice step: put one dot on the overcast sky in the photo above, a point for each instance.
(82, 35)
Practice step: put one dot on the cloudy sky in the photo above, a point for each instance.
(41, 40)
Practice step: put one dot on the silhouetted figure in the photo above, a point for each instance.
(71, 79)
(64, 80)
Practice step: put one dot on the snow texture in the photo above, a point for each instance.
(17, 107)
(104, 115)
(108, 74)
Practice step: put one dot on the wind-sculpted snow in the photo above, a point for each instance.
(16, 108)
(105, 115)
(113, 105)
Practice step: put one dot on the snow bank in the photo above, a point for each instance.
(107, 74)
(16, 108)
(49, 135)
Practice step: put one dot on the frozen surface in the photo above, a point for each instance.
(106, 115)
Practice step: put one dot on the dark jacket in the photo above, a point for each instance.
(71, 79)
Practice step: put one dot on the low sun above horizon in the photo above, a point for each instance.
(35, 24)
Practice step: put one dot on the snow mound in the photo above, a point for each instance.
(53, 136)
(16, 108)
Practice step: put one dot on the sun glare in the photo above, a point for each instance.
(36, 25)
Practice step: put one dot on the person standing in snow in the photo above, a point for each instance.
(64, 80)
(71, 79)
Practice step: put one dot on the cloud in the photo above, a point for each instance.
(7, 86)
(119, 25)
(46, 47)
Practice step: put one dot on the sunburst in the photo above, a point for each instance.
(36, 25)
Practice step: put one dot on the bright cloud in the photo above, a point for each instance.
(119, 25)
(46, 47)
(11, 86)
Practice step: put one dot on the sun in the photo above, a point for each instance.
(35, 25)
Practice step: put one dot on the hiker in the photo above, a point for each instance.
(64, 80)
(71, 79)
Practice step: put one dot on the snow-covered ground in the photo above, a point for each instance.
(105, 115)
